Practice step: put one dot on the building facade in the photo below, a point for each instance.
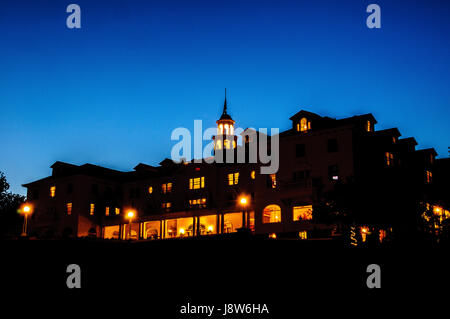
(188, 199)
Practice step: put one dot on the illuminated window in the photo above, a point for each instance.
(234, 144)
(150, 190)
(106, 211)
(273, 235)
(303, 234)
(271, 214)
(69, 208)
(368, 126)
(226, 144)
(302, 212)
(52, 191)
(196, 183)
(152, 230)
(253, 174)
(394, 140)
(431, 159)
(298, 127)
(233, 179)
(208, 225)
(180, 227)
(304, 125)
(111, 232)
(166, 188)
(272, 181)
(117, 210)
(232, 222)
(389, 157)
(92, 209)
(218, 145)
(221, 129)
(197, 203)
(429, 177)
(166, 206)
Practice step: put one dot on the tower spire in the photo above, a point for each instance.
(225, 103)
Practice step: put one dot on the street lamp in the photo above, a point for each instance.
(130, 216)
(26, 210)
(243, 201)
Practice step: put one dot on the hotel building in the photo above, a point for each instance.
(188, 199)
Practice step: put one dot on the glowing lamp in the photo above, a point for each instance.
(130, 214)
(243, 200)
(182, 231)
(210, 228)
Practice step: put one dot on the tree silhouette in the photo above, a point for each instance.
(10, 220)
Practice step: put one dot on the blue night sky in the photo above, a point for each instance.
(111, 92)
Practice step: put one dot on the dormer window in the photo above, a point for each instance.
(368, 126)
(304, 125)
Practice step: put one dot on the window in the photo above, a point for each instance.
(166, 188)
(253, 174)
(218, 145)
(272, 181)
(305, 125)
(152, 230)
(302, 212)
(111, 232)
(106, 211)
(150, 189)
(166, 206)
(303, 234)
(271, 214)
(232, 222)
(431, 159)
(332, 145)
(333, 172)
(233, 179)
(368, 126)
(180, 227)
(52, 191)
(197, 203)
(117, 210)
(197, 182)
(208, 225)
(389, 157)
(69, 208)
(92, 209)
(300, 150)
(226, 144)
(429, 177)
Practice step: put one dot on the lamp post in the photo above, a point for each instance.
(243, 202)
(130, 216)
(26, 210)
